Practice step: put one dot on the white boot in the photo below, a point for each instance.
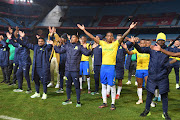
(57, 85)
(50, 85)
(177, 86)
(128, 83)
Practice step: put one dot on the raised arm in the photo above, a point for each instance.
(158, 48)
(87, 33)
(125, 47)
(23, 41)
(127, 32)
(58, 49)
(138, 48)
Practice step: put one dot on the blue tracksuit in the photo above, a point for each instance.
(97, 65)
(4, 58)
(41, 65)
(24, 61)
(62, 68)
(120, 60)
(73, 57)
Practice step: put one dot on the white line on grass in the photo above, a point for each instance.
(8, 118)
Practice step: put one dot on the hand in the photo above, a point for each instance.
(124, 45)
(81, 27)
(133, 25)
(53, 30)
(50, 30)
(1, 37)
(8, 35)
(50, 42)
(132, 39)
(37, 36)
(22, 34)
(69, 37)
(157, 47)
(10, 30)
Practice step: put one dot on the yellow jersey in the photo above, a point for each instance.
(142, 60)
(83, 57)
(109, 52)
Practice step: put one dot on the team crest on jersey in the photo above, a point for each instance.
(76, 48)
(42, 49)
(4, 49)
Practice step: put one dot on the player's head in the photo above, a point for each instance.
(136, 39)
(161, 39)
(109, 37)
(142, 43)
(64, 37)
(99, 36)
(41, 41)
(83, 39)
(148, 43)
(176, 43)
(74, 38)
(118, 36)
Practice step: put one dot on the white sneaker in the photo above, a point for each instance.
(18, 90)
(128, 83)
(177, 86)
(50, 85)
(36, 95)
(57, 85)
(136, 83)
(139, 102)
(44, 96)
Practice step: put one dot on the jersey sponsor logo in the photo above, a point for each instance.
(120, 47)
(76, 48)
(100, 47)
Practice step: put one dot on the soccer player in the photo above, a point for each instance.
(175, 65)
(73, 52)
(64, 40)
(109, 51)
(157, 74)
(84, 64)
(97, 62)
(141, 69)
(24, 62)
(41, 65)
(54, 57)
(4, 59)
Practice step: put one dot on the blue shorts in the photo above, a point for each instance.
(108, 75)
(141, 73)
(84, 68)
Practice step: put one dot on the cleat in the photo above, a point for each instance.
(153, 104)
(136, 83)
(177, 86)
(117, 96)
(103, 105)
(145, 113)
(128, 83)
(113, 107)
(78, 104)
(166, 116)
(89, 91)
(29, 91)
(139, 102)
(60, 91)
(155, 98)
(67, 102)
(57, 85)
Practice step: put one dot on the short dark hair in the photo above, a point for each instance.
(76, 36)
(41, 38)
(109, 32)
